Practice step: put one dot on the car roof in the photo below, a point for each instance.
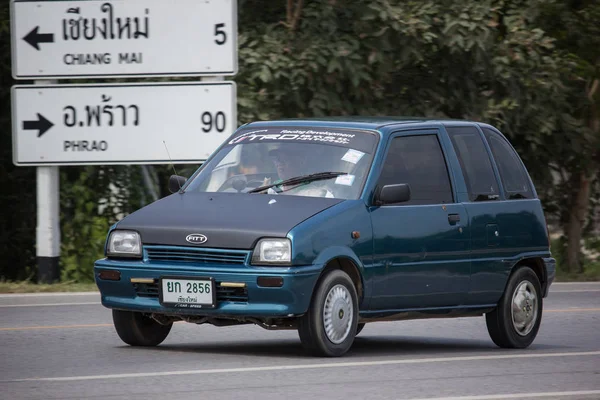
(384, 124)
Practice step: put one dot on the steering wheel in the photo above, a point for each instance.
(239, 183)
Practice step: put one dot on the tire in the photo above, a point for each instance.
(359, 328)
(516, 327)
(136, 329)
(334, 303)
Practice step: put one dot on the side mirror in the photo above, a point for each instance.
(175, 183)
(391, 194)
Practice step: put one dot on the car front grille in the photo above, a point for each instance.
(234, 294)
(146, 289)
(194, 255)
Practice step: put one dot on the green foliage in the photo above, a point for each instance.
(590, 256)
(92, 199)
(17, 184)
(485, 61)
(81, 246)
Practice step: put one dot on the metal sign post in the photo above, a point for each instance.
(48, 222)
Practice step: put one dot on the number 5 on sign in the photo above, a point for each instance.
(220, 34)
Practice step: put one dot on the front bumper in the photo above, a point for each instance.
(291, 299)
(550, 265)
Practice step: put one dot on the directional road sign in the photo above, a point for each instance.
(121, 123)
(123, 38)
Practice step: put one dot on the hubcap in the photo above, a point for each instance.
(524, 308)
(337, 314)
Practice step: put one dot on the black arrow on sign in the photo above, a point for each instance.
(34, 38)
(41, 125)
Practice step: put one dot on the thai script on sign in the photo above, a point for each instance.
(108, 27)
(101, 115)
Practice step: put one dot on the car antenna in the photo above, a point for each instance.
(172, 165)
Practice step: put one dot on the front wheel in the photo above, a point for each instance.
(516, 320)
(330, 325)
(136, 329)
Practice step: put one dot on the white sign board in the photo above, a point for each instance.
(123, 38)
(121, 123)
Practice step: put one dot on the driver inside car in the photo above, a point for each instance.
(291, 163)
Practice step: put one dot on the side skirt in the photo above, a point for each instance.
(425, 313)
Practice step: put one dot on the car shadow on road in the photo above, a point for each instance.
(363, 346)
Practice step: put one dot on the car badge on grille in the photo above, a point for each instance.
(196, 238)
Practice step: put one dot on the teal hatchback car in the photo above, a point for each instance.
(325, 225)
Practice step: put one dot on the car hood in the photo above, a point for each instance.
(228, 220)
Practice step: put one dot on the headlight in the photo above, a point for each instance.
(272, 251)
(124, 244)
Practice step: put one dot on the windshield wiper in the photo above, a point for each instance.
(300, 179)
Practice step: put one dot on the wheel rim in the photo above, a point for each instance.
(338, 314)
(524, 308)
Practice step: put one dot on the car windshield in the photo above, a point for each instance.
(316, 162)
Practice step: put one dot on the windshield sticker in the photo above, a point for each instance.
(353, 156)
(360, 141)
(295, 135)
(346, 180)
(338, 137)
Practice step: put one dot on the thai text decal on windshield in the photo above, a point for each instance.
(355, 139)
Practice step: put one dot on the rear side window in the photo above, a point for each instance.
(475, 163)
(419, 162)
(513, 175)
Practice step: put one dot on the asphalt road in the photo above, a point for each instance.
(65, 347)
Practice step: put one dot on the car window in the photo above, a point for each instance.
(418, 161)
(475, 163)
(513, 175)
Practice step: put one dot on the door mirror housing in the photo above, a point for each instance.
(176, 182)
(392, 194)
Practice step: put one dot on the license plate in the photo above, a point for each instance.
(187, 292)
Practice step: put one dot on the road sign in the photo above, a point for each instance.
(123, 38)
(121, 123)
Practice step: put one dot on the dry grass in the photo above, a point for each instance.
(31, 287)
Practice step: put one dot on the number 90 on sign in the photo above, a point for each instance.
(216, 120)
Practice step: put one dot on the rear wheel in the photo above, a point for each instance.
(516, 320)
(136, 329)
(330, 325)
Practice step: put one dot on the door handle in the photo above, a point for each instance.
(453, 218)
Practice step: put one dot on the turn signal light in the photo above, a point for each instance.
(110, 275)
(270, 281)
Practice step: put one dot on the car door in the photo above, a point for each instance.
(482, 201)
(421, 247)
